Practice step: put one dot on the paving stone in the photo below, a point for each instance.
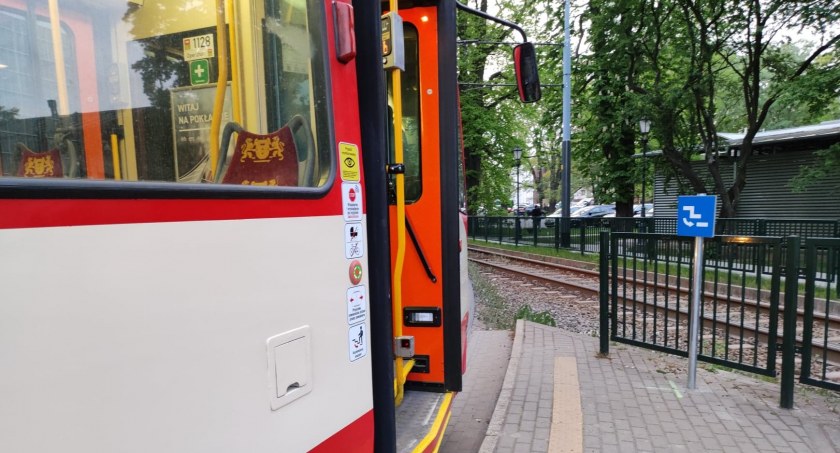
(628, 405)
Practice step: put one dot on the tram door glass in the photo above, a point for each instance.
(127, 90)
(410, 83)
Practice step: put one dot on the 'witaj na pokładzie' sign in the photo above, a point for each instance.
(192, 114)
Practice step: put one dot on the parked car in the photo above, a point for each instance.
(527, 222)
(521, 210)
(596, 210)
(549, 219)
(637, 210)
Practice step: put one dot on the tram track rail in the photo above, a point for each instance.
(584, 277)
(657, 284)
(587, 289)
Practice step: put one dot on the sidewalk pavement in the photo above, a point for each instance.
(633, 401)
(487, 362)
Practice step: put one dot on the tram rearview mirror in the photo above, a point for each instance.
(527, 76)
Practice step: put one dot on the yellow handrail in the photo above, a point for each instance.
(221, 85)
(396, 82)
(115, 156)
(58, 56)
(234, 63)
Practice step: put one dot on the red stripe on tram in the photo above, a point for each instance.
(357, 436)
(28, 213)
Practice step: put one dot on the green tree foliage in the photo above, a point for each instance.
(493, 119)
(695, 67)
(8, 114)
(742, 37)
(607, 106)
(828, 164)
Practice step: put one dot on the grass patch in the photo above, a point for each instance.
(715, 368)
(736, 278)
(493, 310)
(490, 306)
(528, 314)
(543, 251)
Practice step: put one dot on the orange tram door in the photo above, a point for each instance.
(432, 305)
(432, 295)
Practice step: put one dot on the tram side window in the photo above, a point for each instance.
(293, 58)
(28, 92)
(411, 116)
(127, 91)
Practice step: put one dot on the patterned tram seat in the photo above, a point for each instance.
(272, 159)
(45, 164)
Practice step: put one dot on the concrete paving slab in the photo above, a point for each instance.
(487, 362)
(636, 401)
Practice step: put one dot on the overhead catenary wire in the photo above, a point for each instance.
(491, 85)
(505, 43)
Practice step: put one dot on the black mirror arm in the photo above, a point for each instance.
(484, 15)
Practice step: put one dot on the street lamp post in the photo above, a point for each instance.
(517, 155)
(644, 128)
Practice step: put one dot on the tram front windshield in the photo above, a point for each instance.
(129, 90)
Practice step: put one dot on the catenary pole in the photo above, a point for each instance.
(567, 115)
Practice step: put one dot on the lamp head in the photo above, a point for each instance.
(644, 126)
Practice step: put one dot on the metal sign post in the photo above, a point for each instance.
(693, 326)
(696, 217)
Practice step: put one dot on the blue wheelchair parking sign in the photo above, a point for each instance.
(696, 215)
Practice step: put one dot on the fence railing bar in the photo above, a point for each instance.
(789, 328)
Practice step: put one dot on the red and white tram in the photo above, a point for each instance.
(197, 249)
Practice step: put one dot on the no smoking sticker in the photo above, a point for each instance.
(351, 201)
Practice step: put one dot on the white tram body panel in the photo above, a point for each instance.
(153, 337)
(185, 188)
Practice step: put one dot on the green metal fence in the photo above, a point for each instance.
(651, 287)
(822, 256)
(583, 233)
(749, 319)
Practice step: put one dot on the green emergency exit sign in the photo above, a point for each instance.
(199, 72)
